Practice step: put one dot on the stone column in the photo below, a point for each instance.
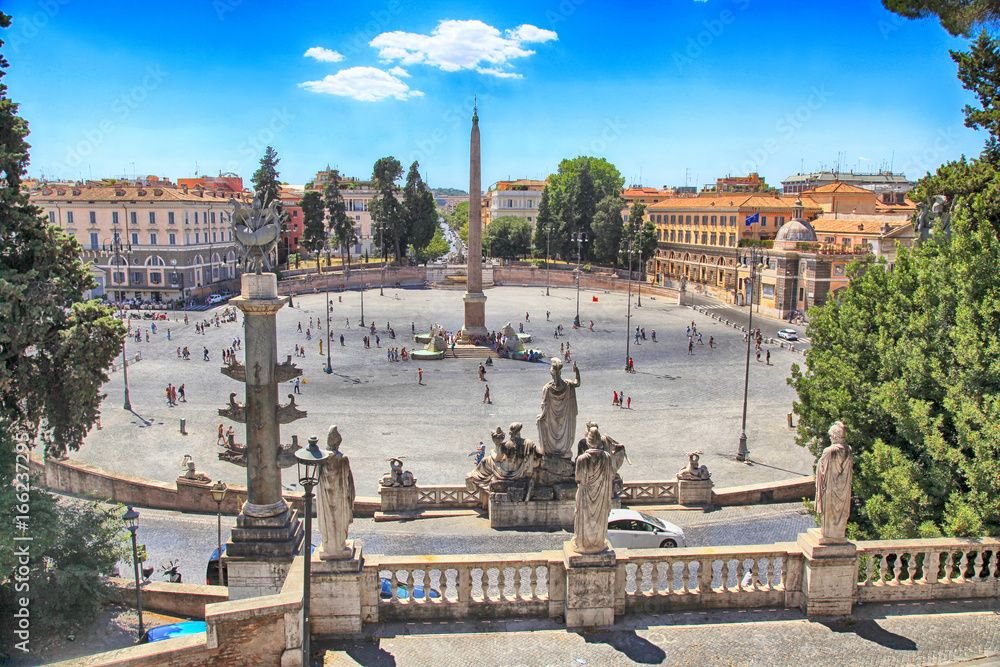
(337, 594)
(590, 587)
(692, 492)
(268, 532)
(829, 581)
(475, 300)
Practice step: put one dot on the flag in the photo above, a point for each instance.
(752, 219)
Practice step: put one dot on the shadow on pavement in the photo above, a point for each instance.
(371, 655)
(635, 648)
(870, 630)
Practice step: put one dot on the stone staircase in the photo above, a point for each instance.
(470, 352)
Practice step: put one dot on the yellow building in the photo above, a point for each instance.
(518, 198)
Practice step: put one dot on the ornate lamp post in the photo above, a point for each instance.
(628, 317)
(309, 461)
(579, 238)
(754, 258)
(548, 239)
(642, 274)
(329, 365)
(131, 519)
(116, 251)
(363, 285)
(218, 495)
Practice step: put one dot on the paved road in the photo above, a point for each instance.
(768, 325)
(190, 538)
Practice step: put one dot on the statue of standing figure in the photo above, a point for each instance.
(557, 422)
(833, 485)
(335, 507)
(594, 475)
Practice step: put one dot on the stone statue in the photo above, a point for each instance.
(693, 471)
(612, 447)
(256, 229)
(188, 470)
(594, 476)
(557, 422)
(833, 485)
(934, 211)
(335, 507)
(396, 475)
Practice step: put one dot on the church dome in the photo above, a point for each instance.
(796, 231)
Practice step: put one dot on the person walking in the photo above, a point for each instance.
(342, 340)
(297, 388)
(654, 335)
(420, 375)
(222, 437)
(180, 392)
(482, 373)
(768, 357)
(614, 398)
(690, 346)
(711, 342)
(629, 401)
(167, 391)
(547, 313)
(486, 395)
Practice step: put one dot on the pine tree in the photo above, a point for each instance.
(386, 210)
(313, 227)
(420, 210)
(265, 179)
(340, 224)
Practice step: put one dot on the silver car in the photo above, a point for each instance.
(637, 530)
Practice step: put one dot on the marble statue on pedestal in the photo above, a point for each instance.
(834, 475)
(396, 475)
(335, 500)
(694, 471)
(594, 475)
(557, 421)
(511, 460)
(188, 470)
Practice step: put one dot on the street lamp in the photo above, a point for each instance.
(753, 258)
(131, 519)
(548, 239)
(579, 238)
(628, 317)
(641, 278)
(218, 495)
(363, 285)
(309, 462)
(329, 335)
(179, 282)
(116, 250)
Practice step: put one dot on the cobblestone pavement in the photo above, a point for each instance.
(190, 538)
(906, 634)
(680, 402)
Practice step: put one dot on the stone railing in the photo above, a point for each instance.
(725, 577)
(456, 587)
(649, 493)
(445, 496)
(928, 569)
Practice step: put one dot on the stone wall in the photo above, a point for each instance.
(185, 600)
(524, 275)
(787, 491)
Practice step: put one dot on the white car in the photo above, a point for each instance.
(788, 334)
(637, 530)
(215, 298)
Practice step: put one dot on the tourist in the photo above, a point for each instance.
(486, 395)
(547, 313)
(654, 335)
(222, 437)
(629, 400)
(758, 353)
(690, 346)
(178, 353)
(168, 334)
(378, 341)
(711, 342)
(614, 398)
(296, 388)
(204, 353)
(700, 341)
(342, 340)
(180, 392)
(527, 318)
(482, 373)
(479, 453)
(591, 325)
(769, 357)
(413, 327)
(169, 402)
(230, 436)
(300, 327)
(420, 375)
(489, 361)
(321, 347)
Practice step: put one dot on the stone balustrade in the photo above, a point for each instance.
(659, 580)
(442, 496)
(895, 570)
(649, 493)
(454, 587)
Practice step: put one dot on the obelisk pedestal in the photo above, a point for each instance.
(268, 531)
(474, 330)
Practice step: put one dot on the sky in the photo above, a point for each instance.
(672, 92)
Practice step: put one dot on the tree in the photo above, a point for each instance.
(508, 237)
(641, 233)
(419, 209)
(959, 17)
(909, 359)
(386, 210)
(338, 222)
(437, 247)
(267, 186)
(573, 193)
(979, 72)
(55, 350)
(544, 222)
(313, 225)
(608, 230)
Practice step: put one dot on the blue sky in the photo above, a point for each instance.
(667, 90)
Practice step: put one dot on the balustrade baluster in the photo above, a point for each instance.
(724, 574)
(395, 580)
(740, 571)
(949, 566)
(465, 584)
(897, 567)
(911, 567)
(705, 575)
(932, 562)
(883, 569)
(963, 566)
(977, 566)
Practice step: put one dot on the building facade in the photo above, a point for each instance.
(357, 195)
(890, 187)
(148, 243)
(517, 199)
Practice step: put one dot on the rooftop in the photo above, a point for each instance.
(883, 177)
(128, 193)
(732, 201)
(839, 187)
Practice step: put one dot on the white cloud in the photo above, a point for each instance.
(399, 71)
(462, 45)
(367, 84)
(323, 54)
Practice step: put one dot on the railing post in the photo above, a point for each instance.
(829, 582)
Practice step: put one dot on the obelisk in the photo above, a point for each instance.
(475, 330)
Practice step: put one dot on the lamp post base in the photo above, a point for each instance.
(742, 453)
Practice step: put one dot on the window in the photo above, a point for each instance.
(673, 218)
(69, 217)
(687, 237)
(155, 277)
(732, 240)
(732, 221)
(847, 242)
(687, 221)
(137, 277)
(170, 218)
(196, 217)
(213, 217)
(704, 238)
(135, 238)
(673, 235)
(779, 220)
(172, 238)
(713, 221)
(118, 277)
(52, 217)
(838, 269)
(152, 217)
(152, 238)
(214, 237)
(94, 243)
(197, 237)
(801, 293)
(134, 218)
(114, 217)
(829, 239)
(713, 238)
(93, 217)
(763, 221)
(510, 203)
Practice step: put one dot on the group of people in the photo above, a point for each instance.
(640, 334)
(621, 400)
(396, 354)
(175, 394)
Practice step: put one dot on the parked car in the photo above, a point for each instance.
(788, 334)
(163, 632)
(403, 591)
(215, 298)
(637, 530)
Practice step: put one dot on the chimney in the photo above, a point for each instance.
(184, 188)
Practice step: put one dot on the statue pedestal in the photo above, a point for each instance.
(475, 318)
(541, 514)
(694, 492)
(260, 550)
(590, 587)
(336, 593)
(829, 581)
(398, 498)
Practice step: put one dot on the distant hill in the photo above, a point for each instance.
(449, 192)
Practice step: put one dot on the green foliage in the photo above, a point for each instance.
(571, 198)
(339, 223)
(458, 220)
(508, 237)
(419, 210)
(388, 215)
(544, 225)
(54, 353)
(609, 230)
(959, 17)
(266, 180)
(437, 247)
(979, 72)
(313, 226)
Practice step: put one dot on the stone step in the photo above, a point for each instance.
(470, 352)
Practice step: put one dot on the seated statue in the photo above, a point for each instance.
(693, 471)
(511, 460)
(396, 475)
